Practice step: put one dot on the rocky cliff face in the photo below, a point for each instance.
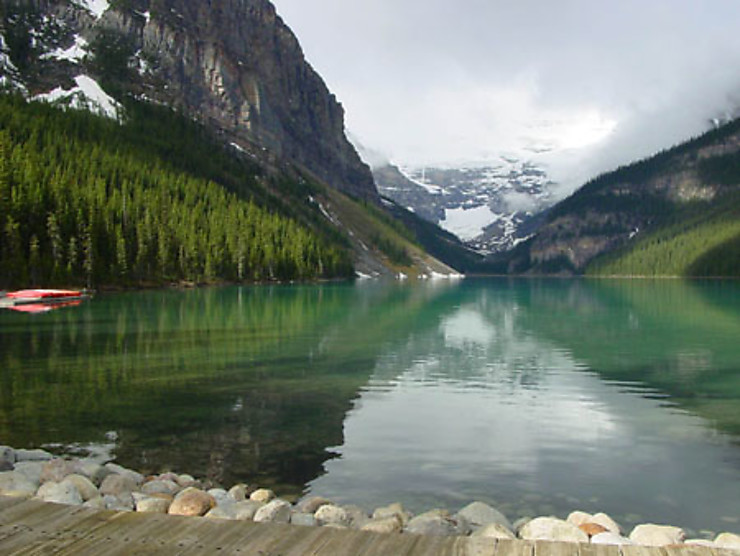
(232, 64)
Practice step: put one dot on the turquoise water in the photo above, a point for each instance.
(539, 396)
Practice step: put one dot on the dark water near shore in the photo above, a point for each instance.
(540, 397)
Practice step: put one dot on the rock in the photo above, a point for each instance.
(116, 485)
(57, 469)
(191, 501)
(727, 540)
(31, 470)
(262, 495)
(478, 514)
(328, 513)
(137, 478)
(13, 483)
(121, 503)
(186, 480)
(220, 496)
(357, 516)
(238, 492)
(592, 529)
(310, 505)
(649, 534)
(93, 471)
(494, 531)
(390, 511)
(32, 455)
(277, 511)
(521, 522)
(84, 486)
(60, 493)
(158, 486)
(578, 518)
(227, 511)
(390, 524)
(246, 509)
(303, 519)
(552, 529)
(606, 522)
(7, 458)
(155, 504)
(610, 538)
(95, 503)
(434, 523)
(168, 476)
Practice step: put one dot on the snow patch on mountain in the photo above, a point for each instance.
(74, 53)
(468, 223)
(95, 7)
(9, 76)
(87, 95)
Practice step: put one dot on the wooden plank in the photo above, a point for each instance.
(294, 540)
(688, 550)
(345, 541)
(391, 543)
(514, 548)
(547, 548)
(598, 550)
(636, 550)
(9, 502)
(233, 536)
(478, 546)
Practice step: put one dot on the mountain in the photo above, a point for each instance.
(676, 213)
(231, 64)
(208, 108)
(490, 207)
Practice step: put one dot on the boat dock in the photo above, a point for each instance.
(29, 527)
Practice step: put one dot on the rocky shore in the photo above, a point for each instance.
(86, 482)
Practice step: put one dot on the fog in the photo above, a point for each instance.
(596, 84)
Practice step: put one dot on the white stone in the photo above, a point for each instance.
(238, 492)
(246, 509)
(649, 534)
(728, 540)
(606, 522)
(494, 531)
(83, 485)
(390, 511)
(262, 495)
(578, 518)
(610, 538)
(31, 470)
(151, 504)
(277, 511)
(303, 519)
(13, 483)
(700, 542)
(480, 513)
(60, 493)
(552, 529)
(32, 455)
(138, 478)
(384, 525)
(433, 523)
(328, 513)
(160, 487)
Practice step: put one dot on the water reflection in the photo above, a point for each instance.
(539, 396)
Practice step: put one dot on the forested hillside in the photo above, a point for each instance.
(89, 201)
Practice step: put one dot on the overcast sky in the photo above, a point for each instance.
(602, 81)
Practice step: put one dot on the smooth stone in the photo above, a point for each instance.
(238, 492)
(494, 531)
(220, 495)
(552, 529)
(57, 469)
(93, 471)
(31, 470)
(649, 534)
(32, 455)
(433, 523)
(390, 511)
(727, 540)
(192, 502)
(390, 524)
(262, 495)
(609, 537)
(224, 511)
(154, 504)
(97, 503)
(328, 513)
(14, 483)
(83, 485)
(578, 518)
(357, 516)
(60, 493)
(117, 484)
(303, 519)
(246, 509)
(606, 522)
(186, 480)
(121, 503)
(310, 505)
(158, 486)
(478, 514)
(277, 511)
(521, 522)
(7, 458)
(592, 529)
(137, 478)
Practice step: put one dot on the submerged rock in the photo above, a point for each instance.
(552, 529)
(649, 534)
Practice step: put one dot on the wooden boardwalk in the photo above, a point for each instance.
(31, 527)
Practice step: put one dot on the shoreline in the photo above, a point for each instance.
(98, 483)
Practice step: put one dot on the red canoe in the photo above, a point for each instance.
(43, 294)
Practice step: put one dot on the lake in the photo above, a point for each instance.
(537, 396)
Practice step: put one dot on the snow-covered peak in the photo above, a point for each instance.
(96, 7)
(87, 95)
